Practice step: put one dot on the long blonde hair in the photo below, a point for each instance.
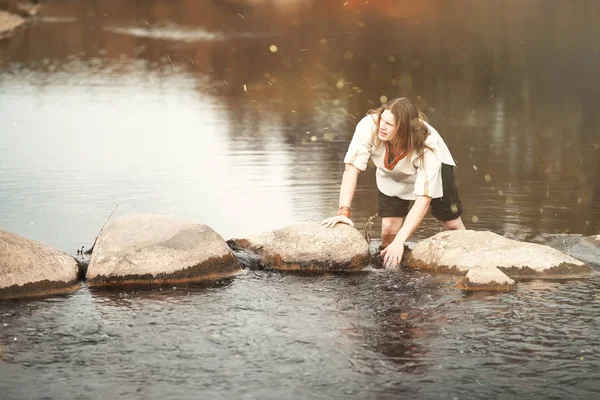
(411, 131)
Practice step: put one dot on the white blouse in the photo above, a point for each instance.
(408, 178)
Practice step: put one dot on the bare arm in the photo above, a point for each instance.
(347, 190)
(414, 218)
(348, 187)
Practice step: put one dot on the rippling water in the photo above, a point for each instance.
(271, 335)
(237, 114)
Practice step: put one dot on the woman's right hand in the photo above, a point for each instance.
(332, 221)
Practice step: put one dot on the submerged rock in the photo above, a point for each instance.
(489, 279)
(594, 240)
(29, 268)
(586, 249)
(145, 249)
(309, 246)
(461, 251)
(246, 258)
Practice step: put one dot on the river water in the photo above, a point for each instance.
(237, 114)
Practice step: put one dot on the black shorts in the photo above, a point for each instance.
(446, 208)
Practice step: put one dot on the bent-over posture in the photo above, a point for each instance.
(413, 164)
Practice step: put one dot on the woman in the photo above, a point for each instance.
(413, 163)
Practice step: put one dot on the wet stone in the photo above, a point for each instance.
(310, 247)
(461, 251)
(148, 249)
(29, 268)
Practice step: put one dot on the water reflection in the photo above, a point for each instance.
(499, 105)
(162, 144)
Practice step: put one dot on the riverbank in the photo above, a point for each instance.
(14, 13)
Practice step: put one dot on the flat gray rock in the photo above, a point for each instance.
(145, 249)
(29, 268)
(460, 251)
(309, 246)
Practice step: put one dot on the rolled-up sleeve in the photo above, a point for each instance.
(429, 175)
(359, 149)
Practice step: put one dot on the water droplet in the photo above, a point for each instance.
(405, 81)
(313, 138)
(392, 59)
(421, 103)
(383, 99)
(487, 178)
(500, 193)
(340, 84)
(475, 219)
(273, 48)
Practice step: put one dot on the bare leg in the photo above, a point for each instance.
(454, 225)
(390, 226)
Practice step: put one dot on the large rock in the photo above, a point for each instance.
(460, 251)
(309, 246)
(29, 268)
(145, 249)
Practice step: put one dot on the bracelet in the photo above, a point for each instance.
(344, 210)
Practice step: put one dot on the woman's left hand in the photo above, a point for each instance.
(392, 255)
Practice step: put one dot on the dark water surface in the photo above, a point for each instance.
(271, 335)
(237, 114)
